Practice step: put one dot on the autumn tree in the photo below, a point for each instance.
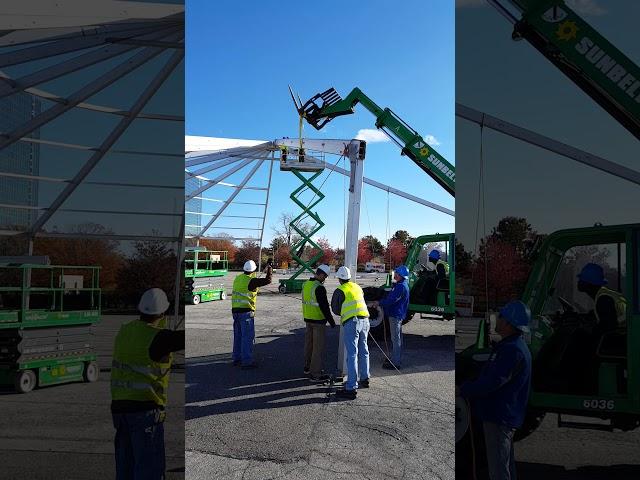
(396, 253)
(403, 237)
(152, 264)
(364, 251)
(285, 231)
(220, 244)
(248, 250)
(375, 246)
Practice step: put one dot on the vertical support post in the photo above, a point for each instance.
(264, 215)
(180, 259)
(27, 299)
(353, 224)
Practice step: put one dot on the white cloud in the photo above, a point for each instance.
(371, 136)
(431, 140)
(586, 7)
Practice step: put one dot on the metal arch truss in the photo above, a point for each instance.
(135, 42)
(546, 143)
(243, 158)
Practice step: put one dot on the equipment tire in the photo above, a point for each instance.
(196, 299)
(25, 381)
(91, 372)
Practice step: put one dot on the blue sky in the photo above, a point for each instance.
(242, 55)
(513, 81)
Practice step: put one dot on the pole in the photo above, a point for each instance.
(353, 224)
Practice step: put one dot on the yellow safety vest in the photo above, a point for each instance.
(241, 297)
(354, 304)
(310, 307)
(134, 376)
(446, 266)
(618, 299)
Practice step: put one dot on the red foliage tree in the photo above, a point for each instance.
(396, 253)
(364, 251)
(220, 245)
(500, 272)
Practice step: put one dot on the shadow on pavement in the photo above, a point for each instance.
(279, 381)
(535, 471)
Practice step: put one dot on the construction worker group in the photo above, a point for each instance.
(347, 302)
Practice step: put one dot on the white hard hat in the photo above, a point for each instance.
(249, 266)
(153, 302)
(343, 273)
(324, 268)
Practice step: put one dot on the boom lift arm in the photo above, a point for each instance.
(594, 64)
(409, 141)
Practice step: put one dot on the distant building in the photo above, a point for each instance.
(19, 158)
(192, 208)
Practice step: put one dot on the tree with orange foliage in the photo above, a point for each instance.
(364, 251)
(396, 253)
(220, 245)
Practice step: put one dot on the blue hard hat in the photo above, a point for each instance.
(592, 273)
(403, 271)
(434, 255)
(517, 314)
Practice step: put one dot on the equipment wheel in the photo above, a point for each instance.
(196, 299)
(223, 296)
(91, 372)
(282, 288)
(25, 381)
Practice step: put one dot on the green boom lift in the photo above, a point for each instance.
(46, 314)
(609, 388)
(202, 268)
(321, 109)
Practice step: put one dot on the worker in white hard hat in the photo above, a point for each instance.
(243, 310)
(348, 302)
(142, 357)
(316, 314)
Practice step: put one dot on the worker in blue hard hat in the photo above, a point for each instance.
(395, 305)
(500, 394)
(438, 280)
(610, 306)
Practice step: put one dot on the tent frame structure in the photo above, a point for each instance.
(67, 27)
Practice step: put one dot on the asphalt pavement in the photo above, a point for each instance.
(66, 431)
(557, 453)
(273, 423)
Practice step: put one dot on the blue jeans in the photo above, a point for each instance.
(139, 445)
(395, 325)
(355, 342)
(500, 458)
(243, 335)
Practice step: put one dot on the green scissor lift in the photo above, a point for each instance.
(201, 269)
(46, 314)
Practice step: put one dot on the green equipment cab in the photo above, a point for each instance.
(427, 296)
(202, 268)
(578, 368)
(46, 314)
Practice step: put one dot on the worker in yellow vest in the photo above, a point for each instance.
(142, 357)
(610, 306)
(348, 302)
(243, 310)
(316, 314)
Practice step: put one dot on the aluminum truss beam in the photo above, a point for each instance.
(231, 197)
(547, 143)
(87, 91)
(122, 126)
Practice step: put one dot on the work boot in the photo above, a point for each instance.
(387, 365)
(306, 371)
(363, 383)
(249, 366)
(319, 379)
(346, 394)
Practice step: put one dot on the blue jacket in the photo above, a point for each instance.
(396, 302)
(501, 392)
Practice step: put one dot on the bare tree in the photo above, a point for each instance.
(284, 230)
